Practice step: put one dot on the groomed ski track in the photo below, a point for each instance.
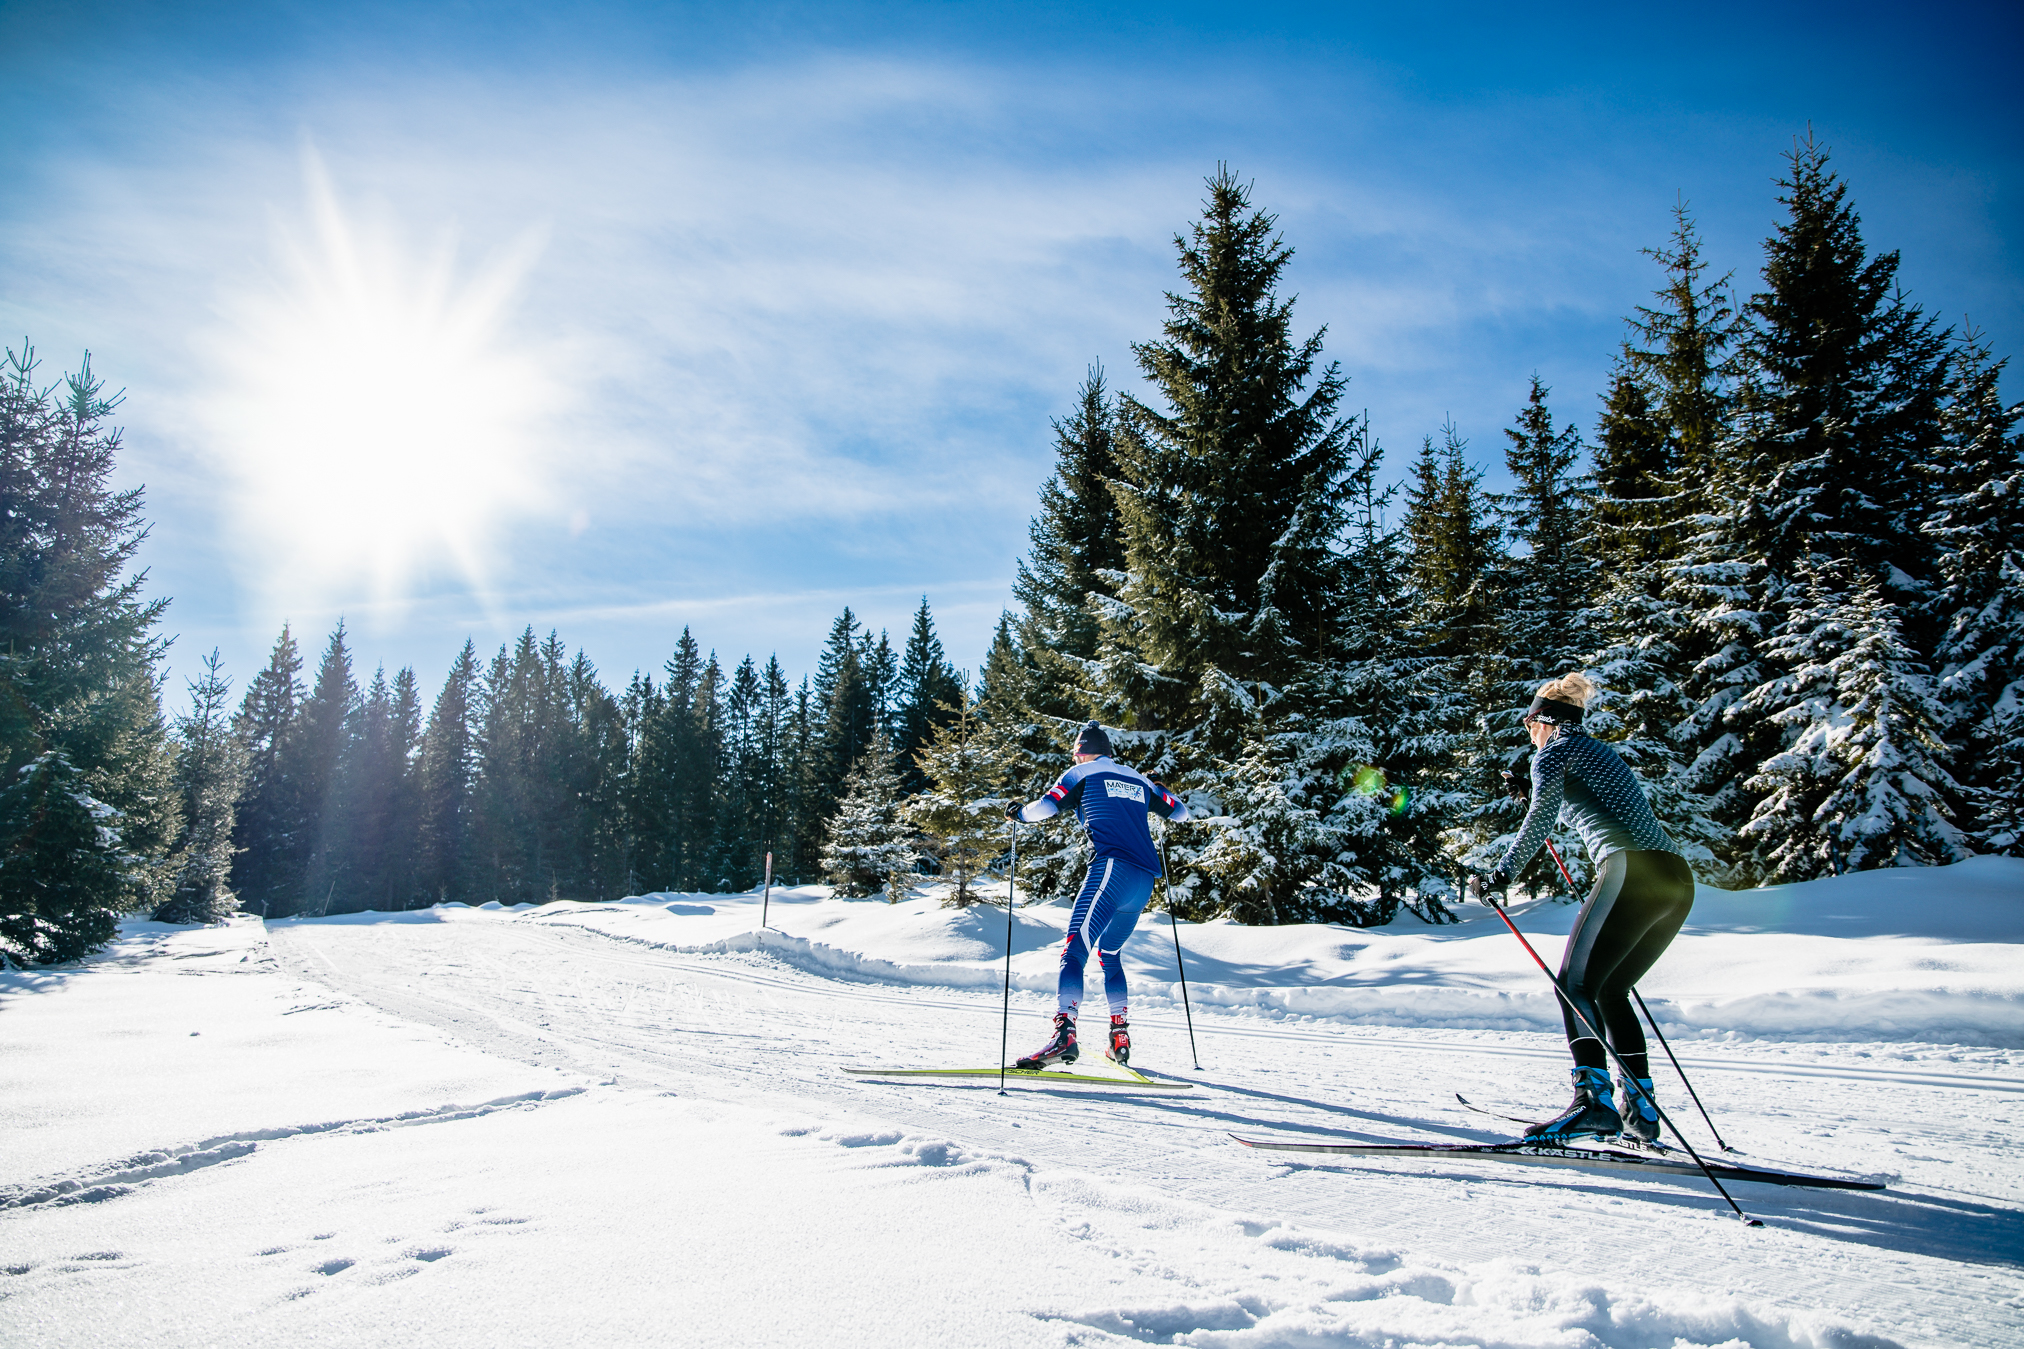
(1939, 1258)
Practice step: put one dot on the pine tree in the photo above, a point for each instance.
(1053, 854)
(971, 769)
(445, 772)
(317, 744)
(1544, 594)
(1843, 404)
(1863, 780)
(927, 685)
(87, 806)
(1838, 411)
(1979, 530)
(1335, 808)
(870, 845)
(1248, 443)
(848, 700)
(266, 833)
(210, 774)
(1078, 556)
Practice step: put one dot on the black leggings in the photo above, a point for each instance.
(1637, 907)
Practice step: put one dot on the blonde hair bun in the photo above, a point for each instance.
(1576, 688)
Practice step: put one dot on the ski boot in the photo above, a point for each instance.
(1590, 1113)
(1059, 1049)
(1640, 1116)
(1120, 1038)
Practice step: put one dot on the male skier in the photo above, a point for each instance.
(1112, 802)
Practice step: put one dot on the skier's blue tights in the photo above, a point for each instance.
(1114, 894)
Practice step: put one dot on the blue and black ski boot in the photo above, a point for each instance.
(1640, 1116)
(1591, 1113)
(1059, 1049)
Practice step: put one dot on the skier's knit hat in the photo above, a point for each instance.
(1092, 740)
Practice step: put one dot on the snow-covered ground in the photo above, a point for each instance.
(627, 1124)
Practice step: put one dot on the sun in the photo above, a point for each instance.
(379, 424)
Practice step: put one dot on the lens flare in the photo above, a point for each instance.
(1366, 780)
(377, 424)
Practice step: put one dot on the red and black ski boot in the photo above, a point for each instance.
(1059, 1049)
(1120, 1038)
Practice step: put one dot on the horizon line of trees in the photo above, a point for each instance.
(1787, 550)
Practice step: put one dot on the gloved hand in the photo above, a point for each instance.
(1013, 808)
(1516, 787)
(1489, 889)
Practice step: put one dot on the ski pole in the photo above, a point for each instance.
(1167, 879)
(1011, 899)
(1681, 1071)
(1582, 1017)
(767, 900)
(1654, 1022)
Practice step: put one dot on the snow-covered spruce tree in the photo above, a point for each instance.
(1221, 608)
(1336, 806)
(871, 844)
(1053, 853)
(210, 774)
(1863, 780)
(1664, 416)
(972, 771)
(1837, 415)
(1545, 591)
(88, 807)
(444, 773)
(265, 831)
(926, 685)
(1077, 561)
(1979, 528)
(317, 743)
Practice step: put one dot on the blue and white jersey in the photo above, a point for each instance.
(1111, 801)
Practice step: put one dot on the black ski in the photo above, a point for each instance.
(1518, 1119)
(1598, 1158)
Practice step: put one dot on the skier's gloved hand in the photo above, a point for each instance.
(1516, 787)
(1012, 809)
(1489, 889)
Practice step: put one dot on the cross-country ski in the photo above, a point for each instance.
(1032, 1077)
(1593, 1158)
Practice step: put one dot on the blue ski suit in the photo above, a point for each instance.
(1112, 802)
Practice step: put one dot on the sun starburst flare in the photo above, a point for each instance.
(380, 425)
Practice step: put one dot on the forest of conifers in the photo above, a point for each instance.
(1786, 549)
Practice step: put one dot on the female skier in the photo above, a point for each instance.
(1643, 890)
(1112, 801)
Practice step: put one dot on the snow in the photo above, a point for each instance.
(626, 1124)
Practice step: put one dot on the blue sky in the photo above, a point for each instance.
(613, 319)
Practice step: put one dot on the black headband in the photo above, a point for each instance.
(1555, 711)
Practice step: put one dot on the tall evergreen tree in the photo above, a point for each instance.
(316, 747)
(87, 806)
(1078, 556)
(266, 832)
(210, 773)
(1248, 444)
(444, 777)
(927, 685)
(1979, 529)
(1820, 490)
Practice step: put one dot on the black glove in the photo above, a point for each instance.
(1012, 810)
(1490, 889)
(1516, 787)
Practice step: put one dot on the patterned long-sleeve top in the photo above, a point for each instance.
(1579, 779)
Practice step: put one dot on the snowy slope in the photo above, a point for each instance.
(627, 1125)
